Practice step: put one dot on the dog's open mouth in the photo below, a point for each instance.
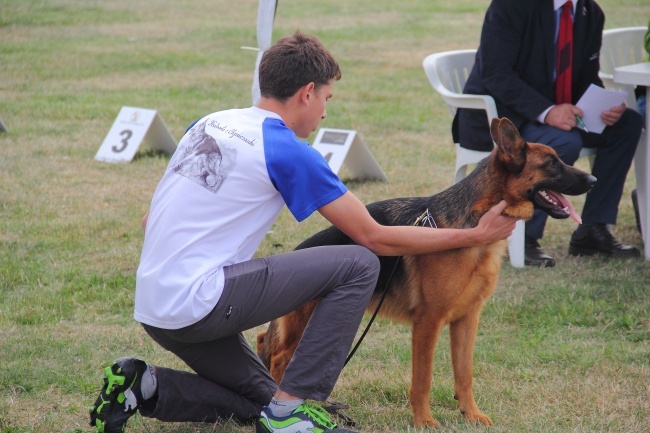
(556, 205)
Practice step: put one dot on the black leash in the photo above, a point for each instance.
(372, 319)
(424, 218)
(334, 406)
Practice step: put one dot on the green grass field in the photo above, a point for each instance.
(558, 350)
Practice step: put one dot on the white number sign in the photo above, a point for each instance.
(131, 127)
(342, 146)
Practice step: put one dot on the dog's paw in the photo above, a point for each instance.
(477, 417)
(426, 422)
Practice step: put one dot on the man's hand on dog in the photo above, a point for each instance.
(493, 226)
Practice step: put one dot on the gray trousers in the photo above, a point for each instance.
(230, 381)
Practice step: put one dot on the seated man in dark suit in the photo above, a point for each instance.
(517, 64)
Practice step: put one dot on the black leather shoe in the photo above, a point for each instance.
(599, 240)
(534, 255)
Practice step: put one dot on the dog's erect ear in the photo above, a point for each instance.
(511, 148)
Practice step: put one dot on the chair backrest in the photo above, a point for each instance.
(448, 71)
(622, 46)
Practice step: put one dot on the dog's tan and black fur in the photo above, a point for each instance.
(448, 287)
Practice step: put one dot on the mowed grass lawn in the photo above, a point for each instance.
(558, 350)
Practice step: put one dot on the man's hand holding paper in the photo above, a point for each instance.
(563, 116)
(601, 107)
(612, 116)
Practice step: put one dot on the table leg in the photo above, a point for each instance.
(642, 170)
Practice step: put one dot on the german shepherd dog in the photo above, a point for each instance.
(447, 287)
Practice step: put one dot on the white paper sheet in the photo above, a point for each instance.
(596, 100)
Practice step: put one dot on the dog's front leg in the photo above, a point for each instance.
(462, 334)
(424, 339)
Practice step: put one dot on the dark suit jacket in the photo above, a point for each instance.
(515, 63)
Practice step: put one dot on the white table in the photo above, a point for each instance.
(639, 74)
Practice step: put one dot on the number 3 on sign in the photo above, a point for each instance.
(126, 134)
(129, 130)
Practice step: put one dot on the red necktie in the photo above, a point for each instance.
(564, 55)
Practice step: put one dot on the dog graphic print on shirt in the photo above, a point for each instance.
(202, 160)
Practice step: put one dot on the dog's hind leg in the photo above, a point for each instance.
(282, 338)
(425, 332)
(462, 333)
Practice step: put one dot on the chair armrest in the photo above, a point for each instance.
(480, 102)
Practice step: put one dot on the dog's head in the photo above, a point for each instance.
(535, 175)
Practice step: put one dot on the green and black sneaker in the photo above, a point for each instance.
(120, 396)
(307, 418)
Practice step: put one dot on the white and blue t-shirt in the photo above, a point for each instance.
(226, 184)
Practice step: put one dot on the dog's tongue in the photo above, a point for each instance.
(566, 204)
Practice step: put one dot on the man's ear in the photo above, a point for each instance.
(305, 92)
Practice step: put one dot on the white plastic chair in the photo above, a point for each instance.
(622, 46)
(447, 72)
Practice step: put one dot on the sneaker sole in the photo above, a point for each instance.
(113, 390)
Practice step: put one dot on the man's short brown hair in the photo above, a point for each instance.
(294, 61)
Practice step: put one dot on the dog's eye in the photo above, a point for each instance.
(551, 164)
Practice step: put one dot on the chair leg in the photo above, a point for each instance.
(516, 245)
(461, 172)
